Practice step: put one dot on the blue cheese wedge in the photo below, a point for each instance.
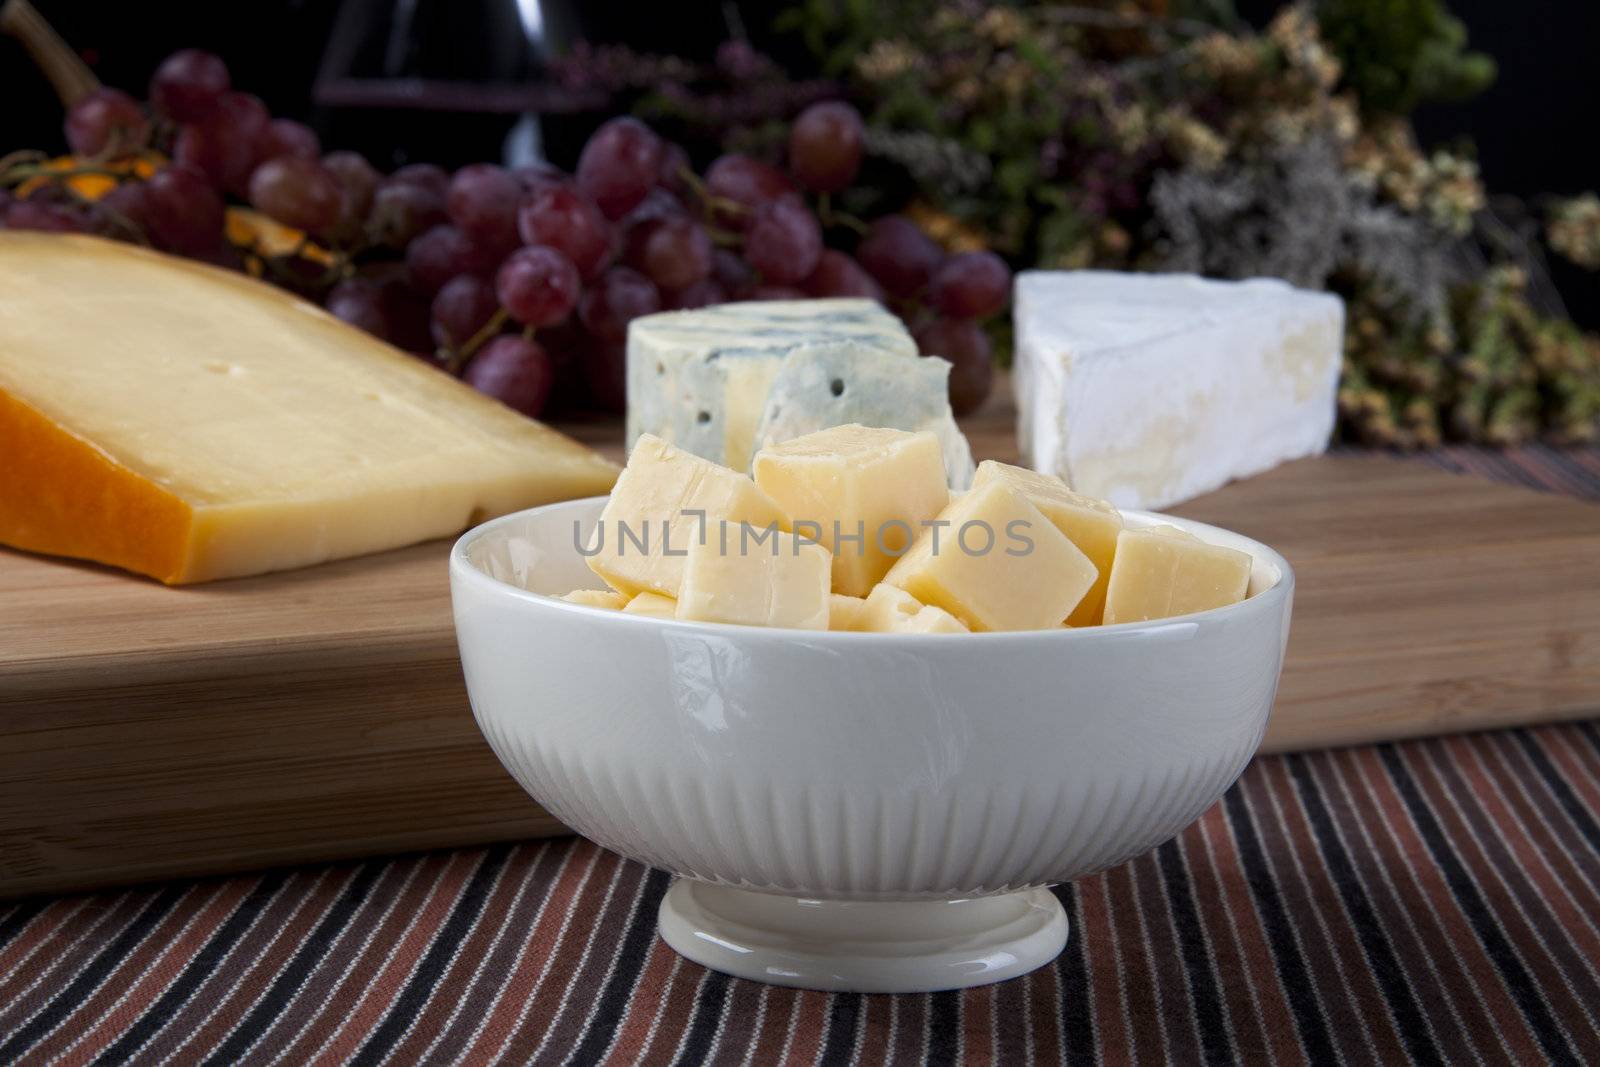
(700, 379)
(820, 387)
(1148, 389)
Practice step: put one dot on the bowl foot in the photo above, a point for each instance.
(863, 946)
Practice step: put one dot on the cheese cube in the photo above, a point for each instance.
(1092, 525)
(845, 612)
(824, 385)
(700, 378)
(597, 598)
(996, 563)
(1163, 571)
(782, 581)
(190, 423)
(645, 531)
(654, 605)
(863, 492)
(889, 610)
(1148, 389)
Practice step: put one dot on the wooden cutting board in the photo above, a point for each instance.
(148, 732)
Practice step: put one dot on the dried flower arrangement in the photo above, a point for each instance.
(1132, 135)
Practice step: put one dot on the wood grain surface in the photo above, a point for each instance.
(149, 732)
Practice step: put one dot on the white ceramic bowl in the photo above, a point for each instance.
(858, 811)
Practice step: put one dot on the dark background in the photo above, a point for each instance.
(1534, 128)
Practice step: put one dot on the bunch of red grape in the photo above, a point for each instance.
(523, 280)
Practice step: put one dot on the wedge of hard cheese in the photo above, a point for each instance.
(189, 423)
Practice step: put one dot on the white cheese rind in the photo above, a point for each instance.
(1149, 389)
(821, 387)
(700, 378)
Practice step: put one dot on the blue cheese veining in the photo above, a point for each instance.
(700, 379)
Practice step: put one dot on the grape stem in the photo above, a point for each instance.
(708, 198)
(21, 155)
(68, 74)
(458, 358)
(22, 172)
(335, 271)
(830, 217)
(125, 224)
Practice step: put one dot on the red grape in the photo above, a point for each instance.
(775, 292)
(358, 181)
(126, 205)
(442, 253)
(672, 252)
(538, 174)
(360, 303)
(185, 212)
(747, 182)
(407, 311)
(463, 307)
(898, 254)
(706, 292)
(619, 296)
(286, 137)
(483, 200)
(619, 164)
(825, 146)
(515, 371)
(784, 241)
(964, 344)
(428, 175)
(538, 286)
(106, 121)
(732, 272)
(674, 171)
(401, 210)
(224, 146)
(188, 84)
(739, 61)
(300, 193)
(971, 285)
(839, 275)
(605, 371)
(565, 220)
(657, 204)
(39, 215)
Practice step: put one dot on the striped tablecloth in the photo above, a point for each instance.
(1434, 901)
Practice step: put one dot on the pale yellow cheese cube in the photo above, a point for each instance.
(654, 515)
(862, 492)
(1092, 525)
(597, 598)
(845, 612)
(782, 581)
(654, 605)
(996, 563)
(1163, 571)
(890, 610)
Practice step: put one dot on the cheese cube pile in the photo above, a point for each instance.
(1164, 571)
(853, 529)
(876, 486)
(1002, 565)
(664, 501)
(597, 598)
(1092, 525)
(787, 586)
